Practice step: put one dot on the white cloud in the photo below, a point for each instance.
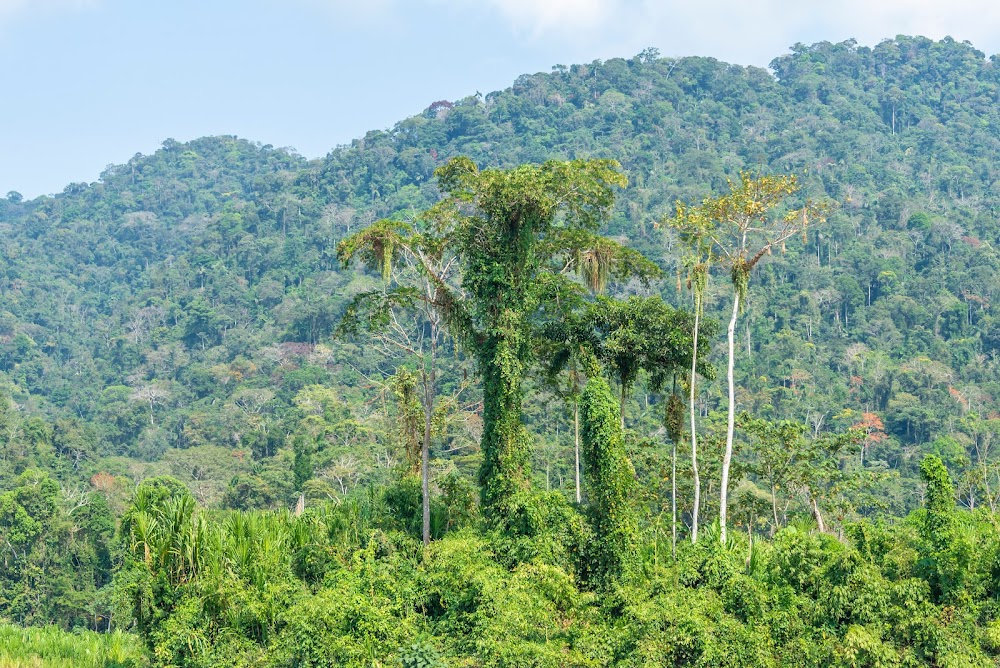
(973, 20)
(11, 9)
(538, 17)
(737, 30)
(755, 32)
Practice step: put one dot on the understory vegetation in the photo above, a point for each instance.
(345, 585)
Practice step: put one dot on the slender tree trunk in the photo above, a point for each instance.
(694, 436)
(818, 516)
(576, 447)
(430, 387)
(774, 507)
(730, 423)
(621, 407)
(425, 474)
(673, 501)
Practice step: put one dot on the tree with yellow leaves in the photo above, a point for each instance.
(742, 229)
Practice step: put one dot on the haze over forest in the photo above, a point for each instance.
(216, 387)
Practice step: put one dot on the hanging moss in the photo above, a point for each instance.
(741, 279)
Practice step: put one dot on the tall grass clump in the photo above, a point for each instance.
(51, 647)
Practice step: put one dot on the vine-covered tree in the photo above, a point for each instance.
(610, 484)
(516, 234)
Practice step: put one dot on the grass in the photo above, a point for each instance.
(51, 647)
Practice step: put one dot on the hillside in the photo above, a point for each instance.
(177, 316)
(176, 269)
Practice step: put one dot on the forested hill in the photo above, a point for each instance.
(177, 374)
(168, 317)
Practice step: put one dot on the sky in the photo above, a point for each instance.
(88, 83)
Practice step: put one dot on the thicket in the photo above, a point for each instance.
(343, 585)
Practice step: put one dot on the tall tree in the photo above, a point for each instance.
(778, 447)
(673, 422)
(565, 354)
(826, 473)
(505, 235)
(630, 337)
(611, 485)
(419, 270)
(743, 230)
(694, 232)
(515, 234)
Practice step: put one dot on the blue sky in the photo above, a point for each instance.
(92, 82)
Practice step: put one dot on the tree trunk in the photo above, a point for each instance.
(774, 507)
(730, 424)
(673, 501)
(506, 445)
(818, 516)
(576, 447)
(430, 383)
(694, 436)
(425, 475)
(621, 407)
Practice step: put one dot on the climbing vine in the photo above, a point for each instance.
(610, 485)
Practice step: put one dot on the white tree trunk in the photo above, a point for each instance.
(673, 501)
(430, 391)
(694, 436)
(576, 447)
(818, 516)
(425, 474)
(730, 423)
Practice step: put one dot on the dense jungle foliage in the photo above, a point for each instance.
(213, 422)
